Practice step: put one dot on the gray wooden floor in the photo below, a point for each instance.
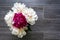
(46, 28)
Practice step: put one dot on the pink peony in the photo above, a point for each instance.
(19, 20)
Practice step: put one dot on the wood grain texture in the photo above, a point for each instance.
(46, 28)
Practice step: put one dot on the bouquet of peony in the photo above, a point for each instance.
(20, 18)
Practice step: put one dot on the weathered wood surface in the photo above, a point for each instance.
(46, 28)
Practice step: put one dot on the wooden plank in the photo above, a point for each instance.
(46, 28)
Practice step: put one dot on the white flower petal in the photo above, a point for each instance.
(20, 36)
(32, 23)
(15, 31)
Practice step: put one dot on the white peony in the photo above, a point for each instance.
(29, 13)
(8, 18)
(19, 32)
(18, 7)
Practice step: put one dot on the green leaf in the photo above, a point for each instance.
(29, 29)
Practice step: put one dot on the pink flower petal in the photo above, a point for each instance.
(19, 20)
